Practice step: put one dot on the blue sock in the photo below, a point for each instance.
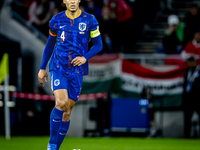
(62, 132)
(55, 123)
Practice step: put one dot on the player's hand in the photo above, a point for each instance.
(80, 60)
(41, 75)
(171, 29)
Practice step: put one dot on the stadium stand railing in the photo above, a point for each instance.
(31, 28)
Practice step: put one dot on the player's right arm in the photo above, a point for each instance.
(47, 52)
(46, 56)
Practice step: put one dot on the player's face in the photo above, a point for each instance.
(72, 5)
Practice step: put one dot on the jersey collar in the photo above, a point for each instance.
(72, 17)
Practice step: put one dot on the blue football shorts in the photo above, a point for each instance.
(72, 83)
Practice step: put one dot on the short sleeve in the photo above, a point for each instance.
(52, 25)
(94, 30)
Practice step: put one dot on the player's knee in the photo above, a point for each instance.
(61, 104)
(66, 115)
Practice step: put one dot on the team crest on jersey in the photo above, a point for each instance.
(82, 26)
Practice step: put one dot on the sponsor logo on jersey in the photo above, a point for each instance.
(82, 26)
(62, 26)
(57, 82)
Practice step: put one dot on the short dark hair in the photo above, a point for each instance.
(194, 5)
(191, 59)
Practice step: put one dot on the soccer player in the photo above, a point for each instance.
(67, 46)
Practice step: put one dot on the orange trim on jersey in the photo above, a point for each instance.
(52, 34)
(74, 17)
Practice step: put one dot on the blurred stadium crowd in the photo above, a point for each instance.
(179, 34)
(121, 21)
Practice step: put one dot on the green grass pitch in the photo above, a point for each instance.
(40, 143)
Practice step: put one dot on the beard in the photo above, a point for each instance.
(73, 11)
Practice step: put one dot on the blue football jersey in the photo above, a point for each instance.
(73, 36)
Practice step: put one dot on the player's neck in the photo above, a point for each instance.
(73, 14)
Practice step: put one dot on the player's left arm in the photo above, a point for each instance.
(97, 47)
(93, 51)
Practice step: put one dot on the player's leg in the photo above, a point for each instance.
(74, 89)
(67, 113)
(61, 106)
(65, 122)
(59, 87)
(61, 99)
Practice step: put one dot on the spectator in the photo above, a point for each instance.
(125, 23)
(122, 10)
(40, 14)
(173, 38)
(192, 22)
(108, 28)
(191, 97)
(192, 48)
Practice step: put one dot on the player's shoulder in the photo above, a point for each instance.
(59, 16)
(56, 19)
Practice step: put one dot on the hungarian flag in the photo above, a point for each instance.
(104, 74)
(164, 82)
